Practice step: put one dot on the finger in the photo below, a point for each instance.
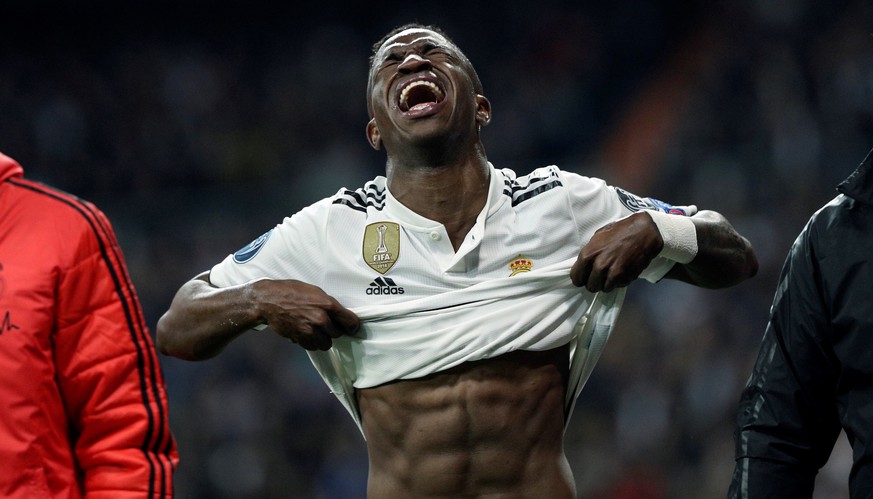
(609, 279)
(307, 335)
(323, 342)
(596, 280)
(580, 271)
(619, 281)
(333, 330)
(345, 319)
(322, 322)
(315, 341)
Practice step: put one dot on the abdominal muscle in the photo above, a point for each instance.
(487, 428)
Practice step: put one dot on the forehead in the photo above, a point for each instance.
(412, 36)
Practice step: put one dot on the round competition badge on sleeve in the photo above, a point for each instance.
(637, 203)
(249, 251)
(381, 247)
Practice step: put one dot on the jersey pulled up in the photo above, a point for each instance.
(425, 307)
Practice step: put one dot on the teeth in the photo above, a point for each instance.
(404, 95)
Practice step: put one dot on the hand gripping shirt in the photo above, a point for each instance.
(425, 307)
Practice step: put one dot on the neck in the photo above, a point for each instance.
(452, 194)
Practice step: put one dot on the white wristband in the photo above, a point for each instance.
(679, 235)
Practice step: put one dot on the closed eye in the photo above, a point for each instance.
(391, 58)
(432, 49)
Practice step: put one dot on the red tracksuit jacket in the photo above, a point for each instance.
(83, 407)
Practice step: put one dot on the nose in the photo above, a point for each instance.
(414, 63)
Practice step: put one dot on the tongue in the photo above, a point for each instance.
(422, 106)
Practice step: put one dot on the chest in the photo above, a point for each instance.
(384, 260)
(28, 287)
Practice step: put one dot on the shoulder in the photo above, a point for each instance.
(346, 206)
(55, 222)
(830, 219)
(835, 238)
(41, 202)
(370, 195)
(843, 223)
(525, 187)
(538, 175)
(554, 180)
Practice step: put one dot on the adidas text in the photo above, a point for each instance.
(384, 286)
(385, 290)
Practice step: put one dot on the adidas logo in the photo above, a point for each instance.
(384, 286)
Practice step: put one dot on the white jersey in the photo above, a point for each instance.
(426, 307)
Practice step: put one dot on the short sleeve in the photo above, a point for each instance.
(595, 203)
(290, 250)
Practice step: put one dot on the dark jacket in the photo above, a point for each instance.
(814, 372)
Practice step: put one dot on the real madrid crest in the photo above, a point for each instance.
(520, 264)
(381, 247)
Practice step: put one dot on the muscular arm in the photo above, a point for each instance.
(724, 257)
(203, 319)
(619, 252)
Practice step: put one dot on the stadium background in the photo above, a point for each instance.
(197, 125)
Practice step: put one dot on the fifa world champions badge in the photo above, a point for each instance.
(381, 247)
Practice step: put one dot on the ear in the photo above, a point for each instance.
(373, 135)
(483, 110)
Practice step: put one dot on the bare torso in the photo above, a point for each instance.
(488, 428)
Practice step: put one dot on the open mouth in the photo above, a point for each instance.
(418, 95)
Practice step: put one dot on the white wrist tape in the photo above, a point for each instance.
(679, 235)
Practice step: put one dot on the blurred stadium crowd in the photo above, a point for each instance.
(198, 126)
